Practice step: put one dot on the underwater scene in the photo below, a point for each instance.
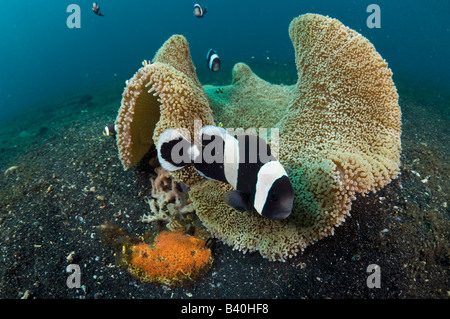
(224, 150)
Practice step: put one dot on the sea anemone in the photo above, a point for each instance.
(339, 129)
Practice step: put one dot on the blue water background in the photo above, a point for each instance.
(40, 57)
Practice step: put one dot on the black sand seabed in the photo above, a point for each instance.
(68, 180)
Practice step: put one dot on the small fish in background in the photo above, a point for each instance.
(213, 60)
(219, 90)
(199, 11)
(146, 62)
(96, 9)
(110, 130)
(260, 183)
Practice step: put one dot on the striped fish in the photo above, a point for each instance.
(245, 162)
(213, 60)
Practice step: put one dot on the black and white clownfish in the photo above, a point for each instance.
(199, 11)
(96, 9)
(110, 130)
(213, 60)
(260, 182)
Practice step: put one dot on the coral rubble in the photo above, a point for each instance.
(168, 204)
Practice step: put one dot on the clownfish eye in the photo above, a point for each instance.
(273, 197)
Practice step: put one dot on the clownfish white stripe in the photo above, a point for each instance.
(231, 160)
(165, 137)
(213, 130)
(211, 60)
(267, 175)
(194, 152)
